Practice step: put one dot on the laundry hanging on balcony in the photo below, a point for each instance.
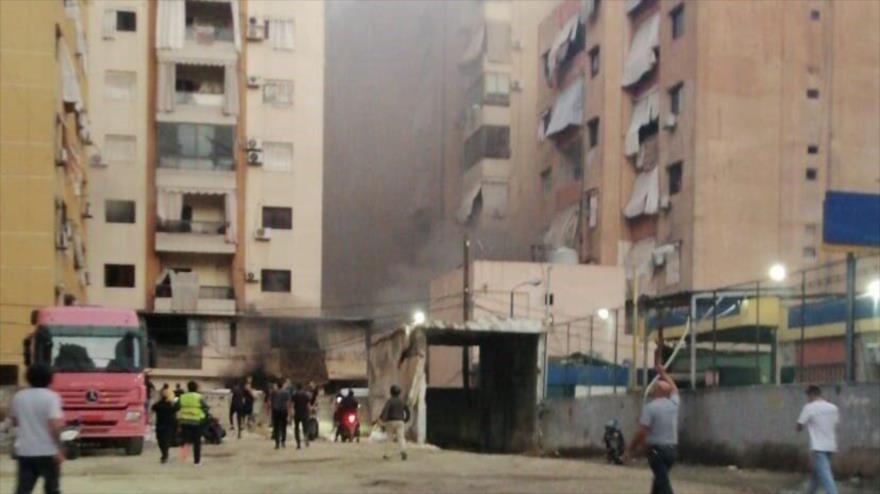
(170, 24)
(645, 198)
(568, 109)
(645, 111)
(642, 58)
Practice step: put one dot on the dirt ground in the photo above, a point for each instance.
(251, 465)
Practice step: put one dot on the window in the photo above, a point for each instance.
(496, 89)
(126, 21)
(675, 99)
(280, 33)
(674, 172)
(489, 141)
(119, 275)
(813, 149)
(275, 280)
(595, 61)
(677, 19)
(120, 149)
(278, 92)
(573, 157)
(547, 181)
(811, 174)
(119, 86)
(278, 156)
(813, 93)
(277, 218)
(119, 211)
(593, 130)
(195, 146)
(810, 252)
(233, 334)
(815, 15)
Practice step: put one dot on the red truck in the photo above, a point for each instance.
(98, 356)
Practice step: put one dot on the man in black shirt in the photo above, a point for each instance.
(166, 423)
(280, 404)
(301, 401)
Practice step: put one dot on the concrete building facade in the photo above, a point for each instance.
(45, 147)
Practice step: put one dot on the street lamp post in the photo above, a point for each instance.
(531, 282)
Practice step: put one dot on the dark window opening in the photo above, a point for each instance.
(277, 218)
(813, 93)
(674, 171)
(595, 61)
(649, 130)
(275, 280)
(119, 211)
(815, 15)
(593, 131)
(812, 149)
(487, 142)
(126, 21)
(675, 99)
(812, 174)
(119, 275)
(8, 375)
(573, 156)
(233, 333)
(677, 19)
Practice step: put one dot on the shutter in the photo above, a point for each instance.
(108, 26)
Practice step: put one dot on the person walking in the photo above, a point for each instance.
(280, 413)
(302, 400)
(236, 408)
(191, 415)
(658, 428)
(166, 424)
(395, 415)
(36, 411)
(820, 418)
(248, 404)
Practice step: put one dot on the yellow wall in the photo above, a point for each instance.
(30, 183)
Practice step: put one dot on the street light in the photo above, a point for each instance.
(777, 272)
(531, 282)
(418, 318)
(603, 314)
(873, 291)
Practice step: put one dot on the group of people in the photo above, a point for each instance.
(185, 411)
(284, 399)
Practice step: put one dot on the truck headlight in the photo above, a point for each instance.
(132, 416)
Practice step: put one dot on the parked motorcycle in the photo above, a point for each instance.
(615, 445)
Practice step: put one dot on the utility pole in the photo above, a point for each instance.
(466, 312)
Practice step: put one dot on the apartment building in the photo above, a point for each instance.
(209, 177)
(696, 148)
(45, 143)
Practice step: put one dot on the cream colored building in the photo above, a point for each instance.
(45, 143)
(209, 172)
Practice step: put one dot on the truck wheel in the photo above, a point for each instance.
(134, 446)
(72, 450)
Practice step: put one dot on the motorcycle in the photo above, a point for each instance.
(614, 442)
(312, 424)
(70, 442)
(350, 426)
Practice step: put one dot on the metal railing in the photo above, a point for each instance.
(188, 226)
(205, 292)
(194, 163)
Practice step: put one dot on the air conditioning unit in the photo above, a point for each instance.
(61, 157)
(97, 161)
(87, 210)
(254, 81)
(665, 204)
(254, 144)
(255, 157)
(251, 277)
(670, 122)
(255, 29)
(264, 234)
(516, 85)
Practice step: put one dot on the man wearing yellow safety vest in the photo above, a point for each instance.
(191, 417)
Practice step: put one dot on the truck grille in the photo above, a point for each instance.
(75, 399)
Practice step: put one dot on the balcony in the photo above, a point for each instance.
(192, 146)
(209, 33)
(196, 93)
(213, 300)
(178, 357)
(488, 142)
(186, 236)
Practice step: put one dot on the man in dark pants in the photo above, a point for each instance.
(280, 411)
(165, 409)
(36, 411)
(236, 408)
(191, 415)
(302, 399)
(658, 428)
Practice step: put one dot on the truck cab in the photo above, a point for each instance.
(98, 356)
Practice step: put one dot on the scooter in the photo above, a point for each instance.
(350, 426)
(614, 442)
(70, 442)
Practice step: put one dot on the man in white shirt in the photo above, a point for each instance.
(820, 418)
(36, 411)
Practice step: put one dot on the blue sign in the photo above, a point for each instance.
(851, 219)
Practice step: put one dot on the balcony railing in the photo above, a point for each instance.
(197, 227)
(199, 99)
(205, 292)
(207, 34)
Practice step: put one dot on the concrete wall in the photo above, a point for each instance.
(748, 426)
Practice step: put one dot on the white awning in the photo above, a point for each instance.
(467, 202)
(644, 112)
(588, 7)
(649, 154)
(562, 231)
(568, 109)
(632, 5)
(641, 58)
(70, 91)
(559, 47)
(645, 198)
(639, 258)
(170, 24)
(475, 47)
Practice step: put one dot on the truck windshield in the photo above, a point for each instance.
(95, 349)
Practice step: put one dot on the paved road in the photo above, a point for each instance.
(252, 465)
